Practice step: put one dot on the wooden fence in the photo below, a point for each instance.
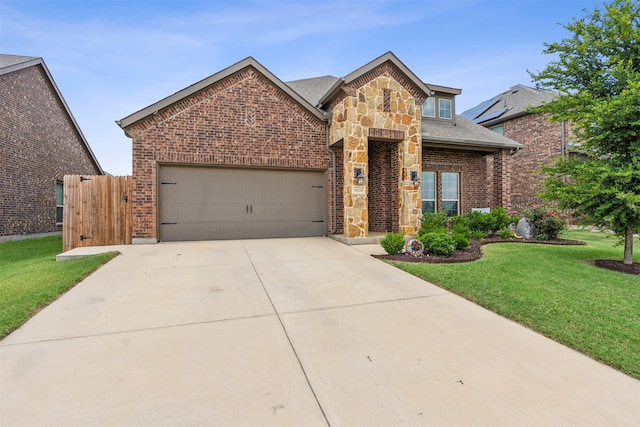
(97, 211)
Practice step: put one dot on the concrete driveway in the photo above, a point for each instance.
(298, 332)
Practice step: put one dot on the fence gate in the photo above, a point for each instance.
(97, 211)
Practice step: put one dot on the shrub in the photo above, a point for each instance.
(392, 243)
(439, 244)
(480, 221)
(547, 223)
(501, 218)
(433, 222)
(506, 233)
(477, 234)
(461, 234)
(461, 240)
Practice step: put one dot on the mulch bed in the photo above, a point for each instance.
(473, 252)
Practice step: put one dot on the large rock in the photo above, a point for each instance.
(525, 229)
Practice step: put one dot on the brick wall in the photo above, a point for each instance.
(474, 175)
(39, 146)
(242, 120)
(383, 186)
(542, 142)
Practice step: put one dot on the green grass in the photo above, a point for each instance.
(31, 278)
(557, 291)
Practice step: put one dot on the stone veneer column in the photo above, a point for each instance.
(365, 108)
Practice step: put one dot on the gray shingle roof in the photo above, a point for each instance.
(509, 104)
(313, 89)
(8, 63)
(464, 134)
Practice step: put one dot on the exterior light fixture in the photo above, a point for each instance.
(359, 176)
(415, 179)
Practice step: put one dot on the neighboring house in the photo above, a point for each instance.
(40, 142)
(242, 154)
(544, 141)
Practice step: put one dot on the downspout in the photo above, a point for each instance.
(334, 173)
(562, 144)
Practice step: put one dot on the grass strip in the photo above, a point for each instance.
(31, 278)
(557, 291)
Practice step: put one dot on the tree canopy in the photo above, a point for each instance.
(597, 73)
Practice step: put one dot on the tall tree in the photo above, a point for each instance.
(597, 74)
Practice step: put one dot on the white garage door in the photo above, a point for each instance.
(198, 203)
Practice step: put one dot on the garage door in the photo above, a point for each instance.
(197, 203)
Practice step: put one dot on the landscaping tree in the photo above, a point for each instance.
(597, 74)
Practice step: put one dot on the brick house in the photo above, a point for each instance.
(41, 142)
(543, 141)
(242, 154)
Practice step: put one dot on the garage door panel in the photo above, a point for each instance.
(197, 203)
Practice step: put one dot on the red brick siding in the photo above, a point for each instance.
(542, 142)
(39, 146)
(242, 120)
(474, 176)
(383, 186)
(339, 190)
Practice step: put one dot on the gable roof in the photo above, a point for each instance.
(464, 134)
(190, 90)
(389, 56)
(508, 105)
(12, 63)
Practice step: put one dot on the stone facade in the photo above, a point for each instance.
(241, 120)
(40, 145)
(382, 106)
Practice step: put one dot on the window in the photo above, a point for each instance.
(429, 107)
(498, 129)
(444, 108)
(428, 192)
(59, 201)
(450, 193)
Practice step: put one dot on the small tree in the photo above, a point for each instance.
(598, 75)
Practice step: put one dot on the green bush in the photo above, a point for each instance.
(392, 243)
(477, 234)
(547, 223)
(461, 234)
(480, 221)
(501, 218)
(439, 244)
(506, 233)
(433, 222)
(461, 240)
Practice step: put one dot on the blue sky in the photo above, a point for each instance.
(111, 58)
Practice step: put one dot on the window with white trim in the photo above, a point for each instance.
(428, 192)
(451, 193)
(429, 107)
(444, 108)
(59, 201)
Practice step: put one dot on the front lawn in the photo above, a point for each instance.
(31, 277)
(557, 291)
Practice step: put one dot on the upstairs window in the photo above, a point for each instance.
(498, 129)
(444, 108)
(429, 107)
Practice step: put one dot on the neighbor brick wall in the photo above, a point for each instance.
(242, 120)
(472, 167)
(542, 142)
(39, 145)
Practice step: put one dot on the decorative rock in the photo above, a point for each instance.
(525, 229)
